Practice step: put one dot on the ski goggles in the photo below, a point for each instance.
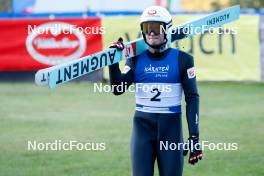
(156, 27)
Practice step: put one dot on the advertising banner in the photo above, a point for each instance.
(32, 44)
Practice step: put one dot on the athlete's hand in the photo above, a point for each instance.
(118, 45)
(194, 146)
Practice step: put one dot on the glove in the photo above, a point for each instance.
(118, 45)
(194, 146)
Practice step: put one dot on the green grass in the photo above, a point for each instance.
(230, 112)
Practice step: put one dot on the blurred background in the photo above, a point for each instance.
(230, 71)
(222, 57)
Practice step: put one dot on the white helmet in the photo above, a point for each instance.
(156, 14)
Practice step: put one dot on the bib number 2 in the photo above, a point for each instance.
(155, 98)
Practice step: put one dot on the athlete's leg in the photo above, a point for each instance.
(143, 143)
(170, 160)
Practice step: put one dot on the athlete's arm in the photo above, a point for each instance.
(118, 79)
(189, 84)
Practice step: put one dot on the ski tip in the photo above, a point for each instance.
(41, 78)
(236, 8)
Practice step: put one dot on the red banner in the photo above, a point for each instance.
(32, 44)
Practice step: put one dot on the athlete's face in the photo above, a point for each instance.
(154, 35)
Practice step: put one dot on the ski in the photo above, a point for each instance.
(62, 73)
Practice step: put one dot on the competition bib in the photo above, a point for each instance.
(158, 97)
